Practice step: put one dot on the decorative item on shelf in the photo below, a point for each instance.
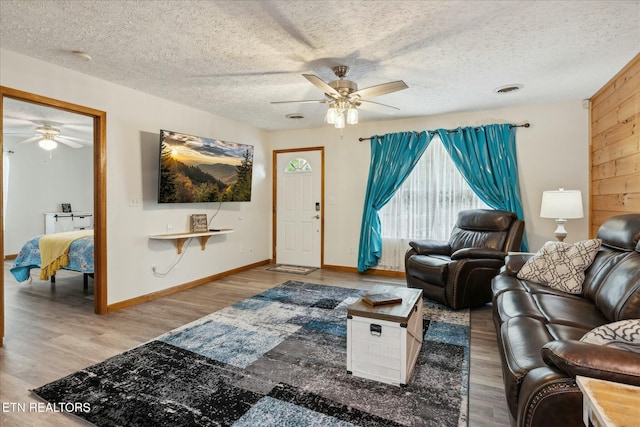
(66, 207)
(199, 223)
(561, 205)
(381, 298)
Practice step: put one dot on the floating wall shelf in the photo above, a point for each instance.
(181, 238)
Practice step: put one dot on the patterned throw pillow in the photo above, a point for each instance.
(561, 265)
(624, 335)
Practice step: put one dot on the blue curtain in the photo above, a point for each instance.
(486, 157)
(393, 156)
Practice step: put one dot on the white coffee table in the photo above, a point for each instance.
(383, 342)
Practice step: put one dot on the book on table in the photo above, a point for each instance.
(381, 298)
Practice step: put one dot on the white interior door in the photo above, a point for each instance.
(299, 208)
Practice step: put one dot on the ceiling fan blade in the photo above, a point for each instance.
(65, 141)
(33, 138)
(377, 107)
(382, 89)
(322, 85)
(16, 121)
(73, 138)
(310, 101)
(79, 127)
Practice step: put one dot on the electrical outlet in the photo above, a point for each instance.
(134, 201)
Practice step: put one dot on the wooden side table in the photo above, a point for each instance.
(609, 404)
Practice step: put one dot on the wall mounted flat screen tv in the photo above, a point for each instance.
(196, 170)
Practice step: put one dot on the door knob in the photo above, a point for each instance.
(316, 217)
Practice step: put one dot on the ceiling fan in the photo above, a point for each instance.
(49, 136)
(344, 98)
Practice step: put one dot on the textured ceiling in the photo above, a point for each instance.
(233, 58)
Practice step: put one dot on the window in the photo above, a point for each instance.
(425, 206)
(297, 165)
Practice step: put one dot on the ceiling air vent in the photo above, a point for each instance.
(508, 88)
(294, 116)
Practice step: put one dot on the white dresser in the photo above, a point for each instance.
(58, 222)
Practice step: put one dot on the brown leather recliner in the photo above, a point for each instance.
(458, 273)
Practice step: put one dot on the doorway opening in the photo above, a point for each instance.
(99, 192)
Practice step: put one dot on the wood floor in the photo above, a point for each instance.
(52, 332)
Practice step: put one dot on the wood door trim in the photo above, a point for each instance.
(274, 194)
(99, 191)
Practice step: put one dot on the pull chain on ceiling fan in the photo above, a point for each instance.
(344, 98)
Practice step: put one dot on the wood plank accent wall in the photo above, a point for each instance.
(615, 147)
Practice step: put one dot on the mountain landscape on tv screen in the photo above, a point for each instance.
(195, 169)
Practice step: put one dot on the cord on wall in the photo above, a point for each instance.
(154, 269)
(172, 266)
(214, 214)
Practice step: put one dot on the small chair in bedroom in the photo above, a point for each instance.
(458, 273)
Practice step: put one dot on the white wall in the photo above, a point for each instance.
(39, 183)
(134, 120)
(552, 153)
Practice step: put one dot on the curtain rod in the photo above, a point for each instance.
(524, 125)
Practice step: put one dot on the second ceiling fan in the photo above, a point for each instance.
(49, 136)
(344, 98)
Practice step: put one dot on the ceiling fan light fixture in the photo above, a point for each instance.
(332, 114)
(344, 96)
(352, 115)
(48, 130)
(47, 143)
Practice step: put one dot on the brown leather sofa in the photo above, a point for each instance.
(458, 273)
(539, 330)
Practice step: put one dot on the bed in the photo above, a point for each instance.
(80, 257)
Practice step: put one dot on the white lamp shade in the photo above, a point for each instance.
(352, 116)
(332, 115)
(339, 121)
(561, 203)
(47, 144)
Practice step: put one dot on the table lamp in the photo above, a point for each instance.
(561, 205)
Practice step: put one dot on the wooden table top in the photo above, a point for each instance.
(614, 404)
(398, 312)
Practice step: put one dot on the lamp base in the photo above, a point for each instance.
(560, 232)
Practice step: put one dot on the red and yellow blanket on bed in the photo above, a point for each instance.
(54, 251)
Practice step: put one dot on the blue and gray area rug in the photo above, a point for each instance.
(276, 359)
